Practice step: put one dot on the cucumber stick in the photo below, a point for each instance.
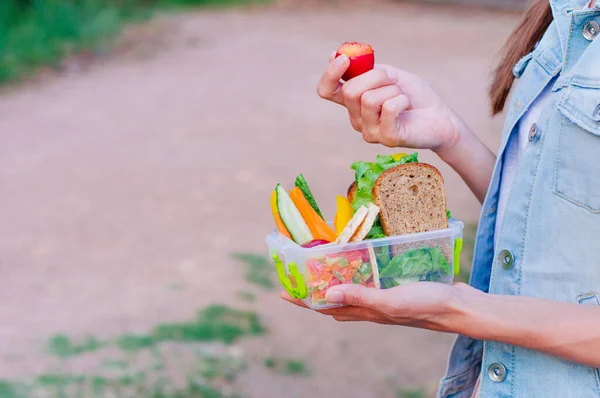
(303, 185)
(291, 217)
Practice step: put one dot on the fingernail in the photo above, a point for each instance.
(340, 61)
(392, 75)
(334, 296)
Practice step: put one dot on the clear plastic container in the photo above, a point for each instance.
(307, 273)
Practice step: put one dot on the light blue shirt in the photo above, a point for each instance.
(548, 244)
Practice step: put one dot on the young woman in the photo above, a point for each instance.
(529, 322)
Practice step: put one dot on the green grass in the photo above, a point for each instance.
(62, 346)
(270, 363)
(403, 393)
(204, 379)
(134, 342)
(115, 364)
(59, 379)
(35, 33)
(67, 386)
(45, 31)
(7, 390)
(213, 323)
(295, 367)
(214, 367)
(287, 366)
(247, 296)
(121, 374)
(259, 270)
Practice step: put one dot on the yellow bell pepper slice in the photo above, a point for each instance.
(278, 221)
(343, 213)
(399, 156)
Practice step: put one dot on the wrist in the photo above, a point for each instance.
(459, 140)
(464, 311)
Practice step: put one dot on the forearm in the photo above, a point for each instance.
(470, 158)
(565, 330)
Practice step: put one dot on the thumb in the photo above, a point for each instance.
(355, 295)
(332, 56)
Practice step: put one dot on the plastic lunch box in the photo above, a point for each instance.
(307, 273)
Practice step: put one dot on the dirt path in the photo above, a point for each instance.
(125, 189)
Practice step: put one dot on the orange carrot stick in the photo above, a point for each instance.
(278, 221)
(318, 227)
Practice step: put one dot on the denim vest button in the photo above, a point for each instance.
(506, 259)
(591, 30)
(497, 372)
(533, 132)
(596, 115)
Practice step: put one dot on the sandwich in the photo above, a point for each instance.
(410, 195)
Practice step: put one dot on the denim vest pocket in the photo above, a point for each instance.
(577, 167)
(592, 298)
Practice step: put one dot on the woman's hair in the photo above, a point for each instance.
(521, 42)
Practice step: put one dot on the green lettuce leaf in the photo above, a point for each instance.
(376, 231)
(383, 256)
(418, 262)
(388, 161)
(387, 283)
(367, 172)
(448, 214)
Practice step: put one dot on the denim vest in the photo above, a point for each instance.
(549, 241)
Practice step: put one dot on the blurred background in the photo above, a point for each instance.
(139, 143)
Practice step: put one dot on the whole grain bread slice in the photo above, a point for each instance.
(411, 199)
(351, 191)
